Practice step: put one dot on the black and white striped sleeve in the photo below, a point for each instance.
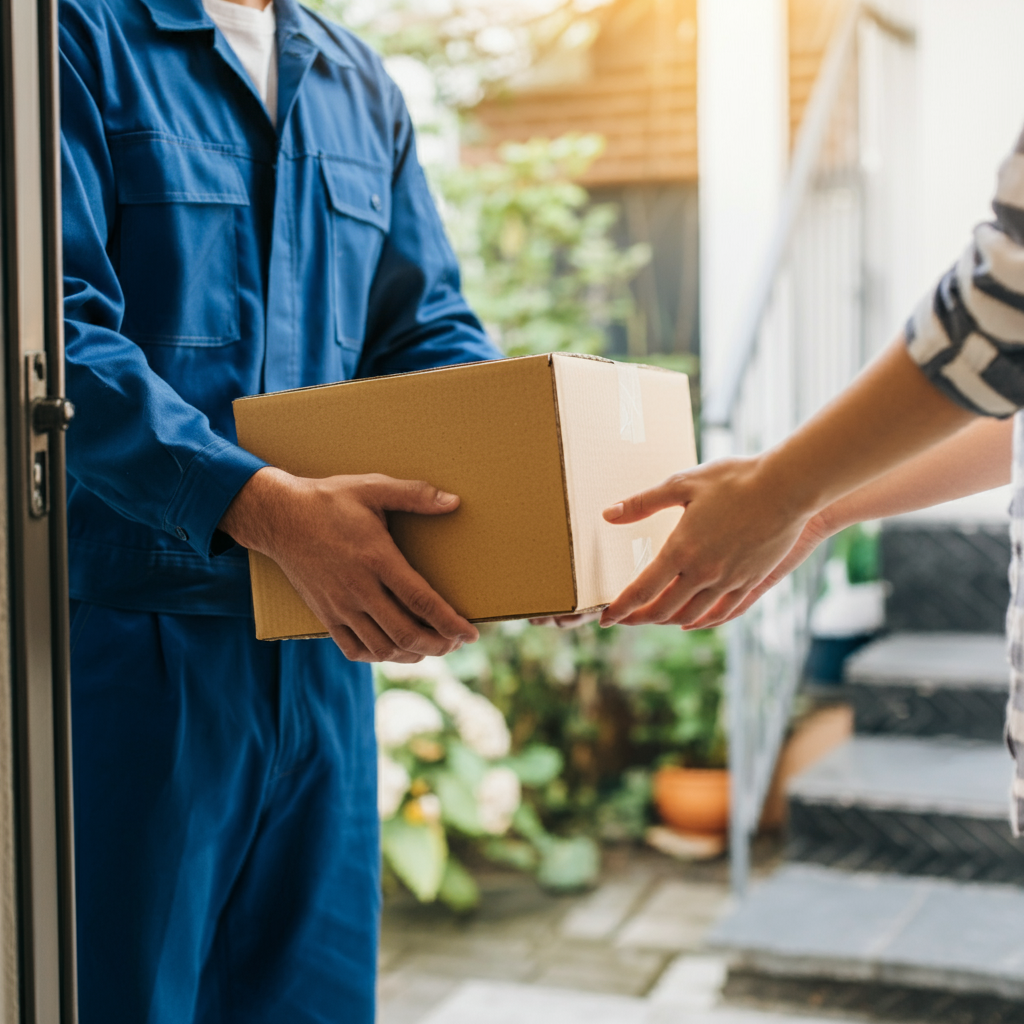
(968, 334)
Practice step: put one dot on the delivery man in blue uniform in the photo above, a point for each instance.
(234, 223)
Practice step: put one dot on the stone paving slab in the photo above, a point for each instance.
(947, 776)
(674, 917)
(489, 1003)
(598, 915)
(691, 983)
(405, 997)
(482, 1003)
(474, 956)
(960, 660)
(598, 968)
(934, 933)
(523, 935)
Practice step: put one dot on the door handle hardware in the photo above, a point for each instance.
(46, 414)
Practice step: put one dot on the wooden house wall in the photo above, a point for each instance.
(641, 94)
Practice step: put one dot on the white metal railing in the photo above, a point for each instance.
(803, 341)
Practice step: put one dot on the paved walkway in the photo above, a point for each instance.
(627, 953)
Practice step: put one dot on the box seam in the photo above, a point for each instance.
(565, 481)
(243, 399)
(614, 362)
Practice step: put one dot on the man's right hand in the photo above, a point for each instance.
(330, 537)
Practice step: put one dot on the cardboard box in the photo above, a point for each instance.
(535, 447)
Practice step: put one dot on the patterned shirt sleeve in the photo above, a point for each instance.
(968, 334)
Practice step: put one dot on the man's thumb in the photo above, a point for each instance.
(415, 496)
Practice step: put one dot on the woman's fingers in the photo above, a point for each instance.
(671, 492)
(696, 608)
(644, 589)
(732, 534)
(679, 592)
(724, 609)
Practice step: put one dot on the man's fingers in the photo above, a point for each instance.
(666, 495)
(405, 632)
(393, 495)
(566, 621)
(381, 646)
(423, 602)
(350, 645)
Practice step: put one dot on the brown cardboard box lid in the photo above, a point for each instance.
(535, 447)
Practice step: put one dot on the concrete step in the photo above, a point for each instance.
(933, 934)
(909, 805)
(930, 684)
(488, 1002)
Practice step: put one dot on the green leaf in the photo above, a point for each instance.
(526, 822)
(468, 765)
(513, 853)
(537, 765)
(458, 804)
(458, 887)
(417, 854)
(569, 864)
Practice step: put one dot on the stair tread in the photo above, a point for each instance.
(962, 660)
(909, 773)
(813, 921)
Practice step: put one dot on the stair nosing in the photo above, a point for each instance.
(1005, 978)
(857, 792)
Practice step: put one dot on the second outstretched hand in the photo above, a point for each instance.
(749, 521)
(977, 458)
(701, 566)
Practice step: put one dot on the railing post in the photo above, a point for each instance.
(739, 755)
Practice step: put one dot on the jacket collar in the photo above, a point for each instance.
(292, 21)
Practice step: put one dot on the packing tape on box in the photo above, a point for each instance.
(631, 404)
(643, 554)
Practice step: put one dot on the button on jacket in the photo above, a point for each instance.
(210, 254)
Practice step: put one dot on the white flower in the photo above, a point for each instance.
(563, 666)
(402, 714)
(430, 807)
(392, 785)
(452, 695)
(482, 727)
(498, 797)
(428, 670)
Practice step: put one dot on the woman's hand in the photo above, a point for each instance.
(744, 517)
(736, 529)
(814, 533)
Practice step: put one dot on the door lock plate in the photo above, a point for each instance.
(38, 443)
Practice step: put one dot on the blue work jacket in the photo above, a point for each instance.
(210, 254)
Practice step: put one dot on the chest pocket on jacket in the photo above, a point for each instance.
(360, 197)
(178, 241)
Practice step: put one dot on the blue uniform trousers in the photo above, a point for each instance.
(227, 838)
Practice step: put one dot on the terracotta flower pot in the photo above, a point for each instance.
(693, 799)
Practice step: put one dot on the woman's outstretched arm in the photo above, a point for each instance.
(963, 357)
(743, 516)
(976, 459)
